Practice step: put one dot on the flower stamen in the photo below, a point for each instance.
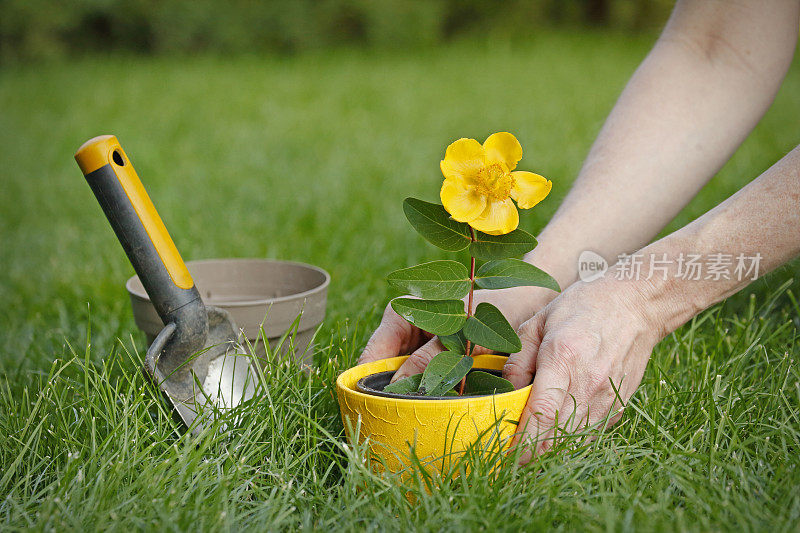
(495, 182)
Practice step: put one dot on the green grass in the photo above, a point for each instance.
(309, 159)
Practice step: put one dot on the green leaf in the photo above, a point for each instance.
(407, 385)
(512, 244)
(443, 372)
(456, 342)
(437, 280)
(433, 222)
(439, 317)
(490, 329)
(505, 273)
(479, 382)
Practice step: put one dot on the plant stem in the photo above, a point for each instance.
(469, 302)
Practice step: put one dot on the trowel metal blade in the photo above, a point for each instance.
(219, 377)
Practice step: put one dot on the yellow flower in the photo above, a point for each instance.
(480, 182)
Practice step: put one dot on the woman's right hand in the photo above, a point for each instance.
(396, 336)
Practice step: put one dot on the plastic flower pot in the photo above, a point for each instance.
(440, 430)
(256, 292)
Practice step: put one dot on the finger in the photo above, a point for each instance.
(389, 340)
(571, 421)
(581, 419)
(571, 415)
(591, 418)
(541, 412)
(520, 366)
(418, 360)
(604, 413)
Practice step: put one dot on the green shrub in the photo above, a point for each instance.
(41, 29)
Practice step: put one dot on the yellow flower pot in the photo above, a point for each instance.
(440, 431)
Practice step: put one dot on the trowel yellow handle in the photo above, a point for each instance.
(137, 224)
(106, 150)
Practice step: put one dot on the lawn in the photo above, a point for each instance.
(308, 158)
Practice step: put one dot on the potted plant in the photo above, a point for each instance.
(460, 397)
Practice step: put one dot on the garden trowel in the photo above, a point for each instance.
(195, 359)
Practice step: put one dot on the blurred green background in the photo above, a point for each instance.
(38, 29)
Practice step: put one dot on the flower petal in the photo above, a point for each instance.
(499, 218)
(463, 159)
(461, 201)
(502, 147)
(529, 188)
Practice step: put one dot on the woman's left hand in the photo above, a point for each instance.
(591, 335)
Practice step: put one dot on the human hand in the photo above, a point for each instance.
(589, 336)
(395, 336)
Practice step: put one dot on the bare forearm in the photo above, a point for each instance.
(760, 223)
(707, 82)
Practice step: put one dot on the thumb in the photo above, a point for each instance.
(520, 367)
(541, 413)
(389, 340)
(418, 360)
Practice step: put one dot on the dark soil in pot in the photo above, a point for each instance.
(374, 384)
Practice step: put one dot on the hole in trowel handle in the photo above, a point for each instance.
(118, 159)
